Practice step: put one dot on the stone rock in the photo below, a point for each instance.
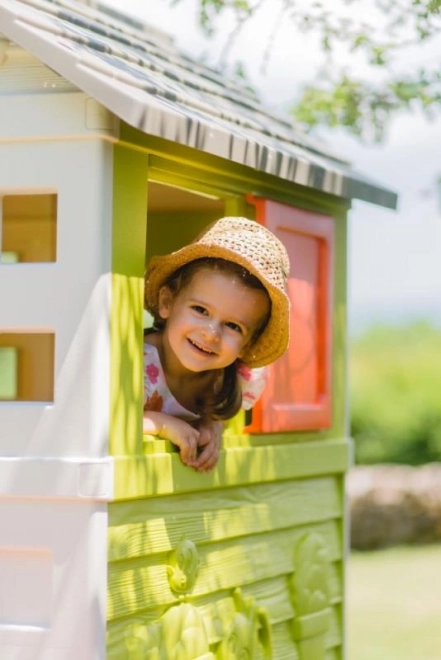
(394, 504)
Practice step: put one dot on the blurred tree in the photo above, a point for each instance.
(394, 390)
(338, 97)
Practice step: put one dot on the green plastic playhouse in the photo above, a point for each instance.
(115, 146)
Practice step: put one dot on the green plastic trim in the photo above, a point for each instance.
(240, 177)
(126, 321)
(162, 474)
(309, 625)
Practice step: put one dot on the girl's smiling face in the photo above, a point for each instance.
(210, 321)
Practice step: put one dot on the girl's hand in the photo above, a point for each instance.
(210, 440)
(180, 433)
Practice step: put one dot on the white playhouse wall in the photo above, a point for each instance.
(55, 474)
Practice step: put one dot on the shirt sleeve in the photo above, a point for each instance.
(252, 382)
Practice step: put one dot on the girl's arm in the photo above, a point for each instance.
(180, 433)
(252, 382)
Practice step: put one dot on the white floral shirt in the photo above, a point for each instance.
(157, 395)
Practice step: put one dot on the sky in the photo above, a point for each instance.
(394, 256)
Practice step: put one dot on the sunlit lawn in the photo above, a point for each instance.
(394, 604)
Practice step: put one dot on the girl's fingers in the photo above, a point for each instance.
(208, 458)
(189, 447)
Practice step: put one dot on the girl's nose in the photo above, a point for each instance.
(211, 330)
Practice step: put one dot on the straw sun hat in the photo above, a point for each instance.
(254, 247)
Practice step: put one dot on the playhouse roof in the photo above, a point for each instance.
(139, 75)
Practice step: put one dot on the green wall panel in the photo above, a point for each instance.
(227, 514)
(255, 549)
(162, 474)
(128, 254)
(223, 566)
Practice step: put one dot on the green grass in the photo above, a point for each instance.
(394, 604)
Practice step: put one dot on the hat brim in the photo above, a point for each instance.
(273, 341)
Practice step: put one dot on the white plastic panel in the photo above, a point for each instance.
(57, 115)
(56, 478)
(70, 296)
(26, 593)
(55, 474)
(53, 562)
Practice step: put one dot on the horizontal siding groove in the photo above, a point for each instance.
(222, 566)
(153, 475)
(160, 595)
(138, 554)
(143, 527)
(284, 646)
(271, 594)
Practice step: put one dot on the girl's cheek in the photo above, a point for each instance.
(236, 343)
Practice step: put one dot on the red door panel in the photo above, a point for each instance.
(298, 394)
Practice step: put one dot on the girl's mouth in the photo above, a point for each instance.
(200, 348)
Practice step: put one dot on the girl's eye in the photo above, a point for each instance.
(234, 327)
(199, 309)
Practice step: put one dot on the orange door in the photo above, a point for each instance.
(298, 394)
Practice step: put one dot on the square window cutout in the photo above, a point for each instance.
(27, 362)
(29, 228)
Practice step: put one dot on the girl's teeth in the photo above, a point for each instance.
(201, 348)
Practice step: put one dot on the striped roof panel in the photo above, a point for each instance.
(139, 75)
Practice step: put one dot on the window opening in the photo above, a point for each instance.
(27, 362)
(28, 227)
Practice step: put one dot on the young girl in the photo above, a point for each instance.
(220, 311)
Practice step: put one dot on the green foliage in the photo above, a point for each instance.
(209, 10)
(378, 35)
(366, 109)
(395, 389)
(341, 105)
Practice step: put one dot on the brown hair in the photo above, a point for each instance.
(225, 403)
